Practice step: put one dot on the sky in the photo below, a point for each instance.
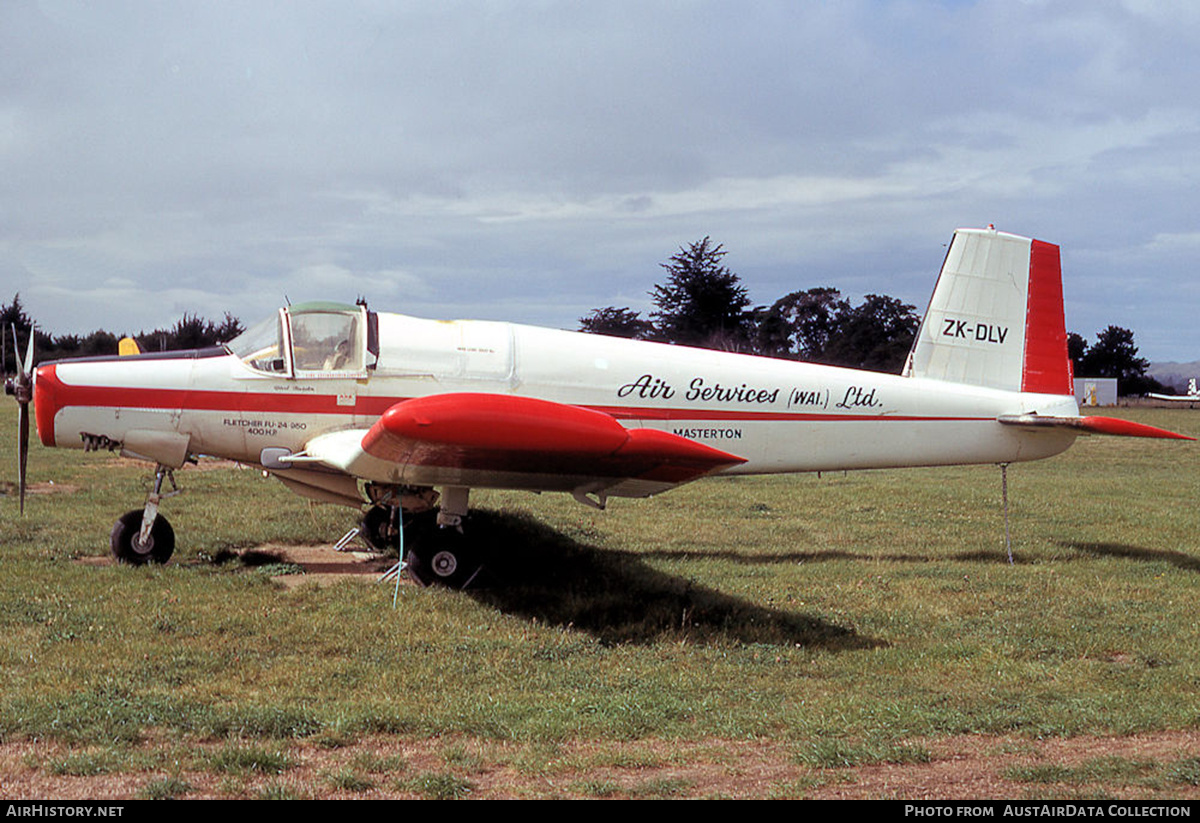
(531, 161)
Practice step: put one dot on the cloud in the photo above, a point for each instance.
(543, 158)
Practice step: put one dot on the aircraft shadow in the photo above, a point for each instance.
(775, 558)
(1177, 559)
(541, 574)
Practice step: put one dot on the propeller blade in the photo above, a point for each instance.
(21, 387)
(27, 369)
(22, 450)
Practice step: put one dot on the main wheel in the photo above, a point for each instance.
(380, 532)
(379, 528)
(444, 557)
(127, 546)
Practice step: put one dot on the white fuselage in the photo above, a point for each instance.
(779, 415)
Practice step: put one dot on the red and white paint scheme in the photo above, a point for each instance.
(387, 412)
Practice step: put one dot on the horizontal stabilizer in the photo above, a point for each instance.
(1093, 425)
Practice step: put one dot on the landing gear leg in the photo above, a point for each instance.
(144, 536)
(444, 555)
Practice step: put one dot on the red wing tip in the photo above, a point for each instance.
(1127, 428)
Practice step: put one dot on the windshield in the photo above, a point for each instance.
(261, 346)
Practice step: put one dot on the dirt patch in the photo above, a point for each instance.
(960, 768)
(323, 566)
(10, 489)
(973, 768)
(116, 461)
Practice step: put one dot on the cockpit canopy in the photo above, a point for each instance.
(311, 340)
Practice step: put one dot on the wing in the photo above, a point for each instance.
(504, 441)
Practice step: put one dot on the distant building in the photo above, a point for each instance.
(1096, 391)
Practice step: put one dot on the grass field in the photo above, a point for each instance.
(738, 637)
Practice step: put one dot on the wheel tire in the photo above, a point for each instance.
(377, 529)
(444, 558)
(126, 547)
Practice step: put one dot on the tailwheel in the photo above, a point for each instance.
(129, 547)
(443, 556)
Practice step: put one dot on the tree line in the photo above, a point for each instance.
(1114, 354)
(703, 303)
(189, 332)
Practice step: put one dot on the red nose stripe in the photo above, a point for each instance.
(47, 393)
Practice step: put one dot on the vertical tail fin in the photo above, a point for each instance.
(996, 317)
